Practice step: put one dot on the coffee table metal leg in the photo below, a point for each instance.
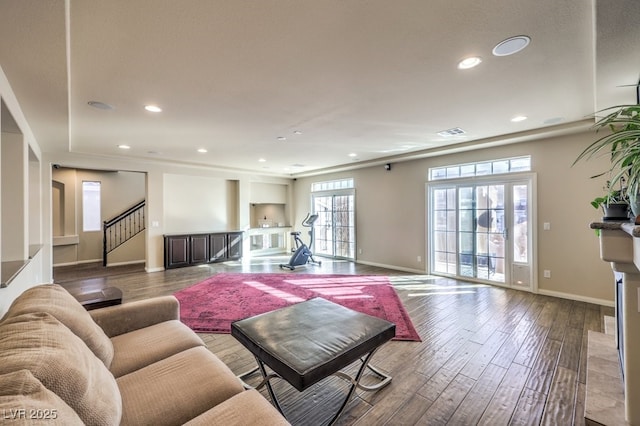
(246, 374)
(385, 380)
(266, 381)
(355, 383)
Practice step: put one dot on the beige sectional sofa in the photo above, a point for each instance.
(131, 364)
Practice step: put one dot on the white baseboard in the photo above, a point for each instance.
(130, 262)
(64, 264)
(89, 261)
(81, 262)
(78, 262)
(577, 297)
(157, 269)
(395, 268)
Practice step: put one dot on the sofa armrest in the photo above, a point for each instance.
(120, 319)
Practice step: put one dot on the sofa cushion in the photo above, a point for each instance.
(25, 401)
(62, 363)
(57, 301)
(244, 409)
(140, 348)
(176, 389)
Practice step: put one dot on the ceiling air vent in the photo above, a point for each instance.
(456, 131)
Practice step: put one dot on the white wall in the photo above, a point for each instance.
(268, 193)
(195, 204)
(14, 218)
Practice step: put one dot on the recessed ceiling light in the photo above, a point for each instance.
(518, 118)
(281, 138)
(153, 108)
(353, 154)
(123, 146)
(470, 62)
(202, 150)
(100, 105)
(297, 132)
(262, 160)
(511, 45)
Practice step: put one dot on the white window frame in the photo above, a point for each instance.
(481, 168)
(91, 202)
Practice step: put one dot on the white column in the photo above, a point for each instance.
(631, 337)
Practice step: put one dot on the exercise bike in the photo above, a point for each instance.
(301, 253)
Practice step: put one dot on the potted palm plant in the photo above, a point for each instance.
(622, 145)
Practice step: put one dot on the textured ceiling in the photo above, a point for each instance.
(374, 78)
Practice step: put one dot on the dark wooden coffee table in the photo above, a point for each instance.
(309, 341)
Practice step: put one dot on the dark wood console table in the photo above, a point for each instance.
(195, 249)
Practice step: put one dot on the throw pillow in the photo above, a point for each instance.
(55, 300)
(62, 362)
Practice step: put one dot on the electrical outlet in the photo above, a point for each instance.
(547, 273)
(419, 258)
(546, 226)
(359, 251)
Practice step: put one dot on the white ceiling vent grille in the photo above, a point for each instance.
(456, 131)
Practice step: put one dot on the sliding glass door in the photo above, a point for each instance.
(479, 230)
(335, 227)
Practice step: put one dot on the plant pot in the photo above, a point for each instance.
(615, 211)
(634, 205)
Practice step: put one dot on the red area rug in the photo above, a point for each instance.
(211, 305)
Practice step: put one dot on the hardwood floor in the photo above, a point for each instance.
(489, 355)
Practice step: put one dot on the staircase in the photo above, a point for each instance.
(122, 228)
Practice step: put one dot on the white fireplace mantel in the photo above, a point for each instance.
(620, 245)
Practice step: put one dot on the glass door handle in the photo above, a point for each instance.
(505, 233)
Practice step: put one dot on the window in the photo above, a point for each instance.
(508, 165)
(332, 185)
(91, 217)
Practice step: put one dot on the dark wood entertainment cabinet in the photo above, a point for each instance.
(195, 249)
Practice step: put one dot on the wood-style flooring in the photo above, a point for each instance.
(488, 356)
